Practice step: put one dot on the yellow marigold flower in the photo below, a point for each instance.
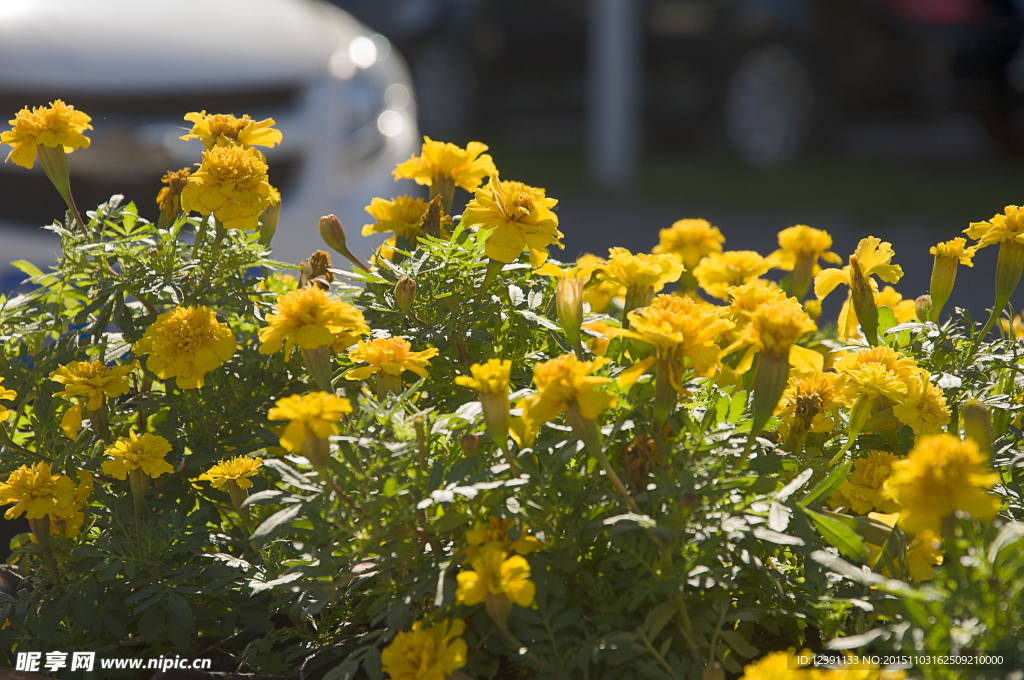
(38, 492)
(93, 381)
(873, 256)
(878, 372)
(1006, 227)
(237, 469)
(518, 215)
(494, 573)
(489, 378)
(1017, 324)
(169, 198)
(223, 129)
(924, 407)
(940, 476)
(864, 488)
(496, 531)
(955, 249)
(432, 653)
(599, 345)
(947, 256)
(773, 326)
(310, 318)
(560, 381)
(316, 414)
(924, 551)
(403, 216)
(776, 326)
(145, 452)
(186, 343)
(678, 328)
(804, 243)
(55, 125)
(807, 402)
(231, 183)
(717, 272)
(641, 271)
(439, 162)
(6, 395)
(600, 290)
(778, 666)
(389, 355)
(690, 241)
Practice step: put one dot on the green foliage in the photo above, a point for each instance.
(735, 551)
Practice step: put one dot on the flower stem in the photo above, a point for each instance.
(588, 433)
(41, 530)
(219, 233)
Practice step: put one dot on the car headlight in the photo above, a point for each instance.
(372, 104)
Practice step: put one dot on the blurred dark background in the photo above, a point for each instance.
(898, 118)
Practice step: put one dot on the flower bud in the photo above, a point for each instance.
(923, 308)
(405, 293)
(813, 308)
(569, 306)
(333, 233)
(863, 298)
(713, 671)
(470, 444)
(978, 425)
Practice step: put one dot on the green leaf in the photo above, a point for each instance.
(275, 524)
(737, 405)
(27, 267)
(390, 487)
(658, 617)
(738, 644)
(886, 320)
(181, 611)
(775, 537)
(827, 486)
(839, 536)
(151, 623)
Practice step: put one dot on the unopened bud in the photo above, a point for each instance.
(470, 444)
(863, 298)
(713, 671)
(569, 306)
(923, 308)
(813, 308)
(978, 425)
(688, 500)
(333, 233)
(405, 293)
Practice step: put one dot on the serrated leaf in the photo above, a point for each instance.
(275, 524)
(886, 320)
(795, 485)
(839, 536)
(778, 517)
(27, 267)
(775, 537)
(738, 644)
(828, 485)
(515, 295)
(536, 318)
(178, 606)
(657, 618)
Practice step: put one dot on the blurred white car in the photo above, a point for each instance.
(340, 94)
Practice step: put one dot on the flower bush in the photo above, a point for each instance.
(554, 473)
